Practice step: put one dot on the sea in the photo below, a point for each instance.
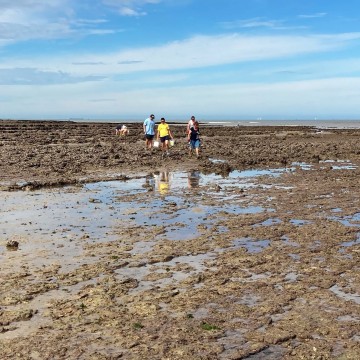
(321, 124)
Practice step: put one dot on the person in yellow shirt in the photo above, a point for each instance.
(164, 134)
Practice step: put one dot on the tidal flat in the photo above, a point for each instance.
(109, 251)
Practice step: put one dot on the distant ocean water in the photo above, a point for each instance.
(321, 124)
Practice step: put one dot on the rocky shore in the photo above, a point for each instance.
(250, 252)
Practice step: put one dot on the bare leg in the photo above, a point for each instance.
(148, 144)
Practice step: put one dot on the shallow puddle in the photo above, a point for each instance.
(338, 291)
(351, 220)
(349, 245)
(195, 264)
(251, 245)
(55, 224)
(340, 165)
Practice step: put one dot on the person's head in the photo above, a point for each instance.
(193, 118)
(152, 116)
(196, 124)
(162, 120)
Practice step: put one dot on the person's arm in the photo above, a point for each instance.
(144, 127)
(171, 135)
(157, 134)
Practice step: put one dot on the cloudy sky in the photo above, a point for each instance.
(217, 59)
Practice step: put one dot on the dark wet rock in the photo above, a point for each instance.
(12, 244)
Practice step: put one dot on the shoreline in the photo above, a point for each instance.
(319, 124)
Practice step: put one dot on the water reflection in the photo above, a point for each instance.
(150, 182)
(194, 179)
(159, 181)
(163, 182)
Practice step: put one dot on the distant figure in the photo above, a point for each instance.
(190, 124)
(117, 129)
(164, 134)
(121, 130)
(194, 139)
(149, 131)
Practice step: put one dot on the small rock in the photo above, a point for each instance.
(12, 244)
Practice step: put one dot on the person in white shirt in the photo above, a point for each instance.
(122, 130)
(190, 125)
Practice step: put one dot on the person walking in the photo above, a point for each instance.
(164, 134)
(149, 131)
(194, 139)
(190, 124)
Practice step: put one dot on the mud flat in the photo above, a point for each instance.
(108, 251)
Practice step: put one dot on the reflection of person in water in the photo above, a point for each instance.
(150, 182)
(164, 183)
(193, 178)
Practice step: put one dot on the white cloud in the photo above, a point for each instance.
(311, 16)
(28, 76)
(125, 11)
(259, 22)
(23, 20)
(26, 12)
(249, 23)
(196, 52)
(130, 7)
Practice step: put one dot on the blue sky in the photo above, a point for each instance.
(216, 59)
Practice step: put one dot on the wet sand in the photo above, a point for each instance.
(250, 252)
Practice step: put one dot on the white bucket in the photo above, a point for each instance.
(156, 144)
(172, 142)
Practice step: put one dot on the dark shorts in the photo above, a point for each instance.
(164, 138)
(149, 137)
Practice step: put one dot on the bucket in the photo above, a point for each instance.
(172, 143)
(156, 144)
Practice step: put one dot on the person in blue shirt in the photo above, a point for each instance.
(194, 139)
(149, 131)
